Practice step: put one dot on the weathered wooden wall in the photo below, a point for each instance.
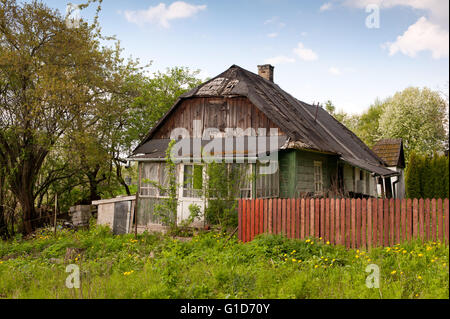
(217, 113)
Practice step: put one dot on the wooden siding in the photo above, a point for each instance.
(297, 172)
(217, 113)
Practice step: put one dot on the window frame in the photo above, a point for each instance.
(318, 181)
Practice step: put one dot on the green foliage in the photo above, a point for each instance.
(208, 266)
(167, 209)
(418, 116)
(427, 177)
(221, 192)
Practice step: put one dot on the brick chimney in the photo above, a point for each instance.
(266, 71)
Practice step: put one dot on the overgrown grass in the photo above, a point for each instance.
(155, 266)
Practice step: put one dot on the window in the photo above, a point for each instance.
(318, 178)
(152, 176)
(193, 181)
(244, 173)
(267, 185)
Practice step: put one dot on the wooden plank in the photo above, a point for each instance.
(342, 230)
(256, 231)
(293, 218)
(327, 220)
(375, 222)
(311, 217)
(297, 218)
(288, 218)
(307, 216)
(283, 218)
(440, 221)
(391, 222)
(409, 219)
(353, 222)
(403, 218)
(317, 218)
(275, 216)
(332, 219)
(386, 222)
(252, 216)
(241, 203)
(369, 223)
(446, 219)
(279, 217)
(347, 223)
(358, 223)
(270, 212)
(427, 220)
(415, 222)
(380, 222)
(249, 221)
(434, 220)
(261, 216)
(266, 216)
(364, 223)
(302, 218)
(421, 220)
(397, 221)
(322, 221)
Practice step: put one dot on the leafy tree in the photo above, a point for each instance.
(419, 117)
(156, 95)
(51, 76)
(413, 177)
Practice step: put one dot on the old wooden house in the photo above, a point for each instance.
(315, 155)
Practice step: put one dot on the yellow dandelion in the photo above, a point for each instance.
(308, 240)
(312, 243)
(328, 242)
(420, 255)
(299, 261)
(356, 256)
(294, 260)
(419, 277)
(316, 266)
(394, 272)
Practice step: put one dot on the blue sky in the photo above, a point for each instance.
(322, 50)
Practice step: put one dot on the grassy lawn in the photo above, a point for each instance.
(156, 266)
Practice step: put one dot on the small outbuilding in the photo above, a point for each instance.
(117, 213)
(391, 151)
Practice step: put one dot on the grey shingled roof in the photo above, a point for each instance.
(296, 118)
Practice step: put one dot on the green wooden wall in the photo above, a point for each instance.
(297, 172)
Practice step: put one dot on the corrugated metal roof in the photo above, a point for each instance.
(391, 151)
(297, 119)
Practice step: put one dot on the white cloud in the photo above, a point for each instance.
(334, 70)
(273, 35)
(422, 36)
(304, 34)
(162, 14)
(326, 6)
(304, 53)
(281, 59)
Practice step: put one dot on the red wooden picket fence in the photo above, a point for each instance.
(354, 223)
